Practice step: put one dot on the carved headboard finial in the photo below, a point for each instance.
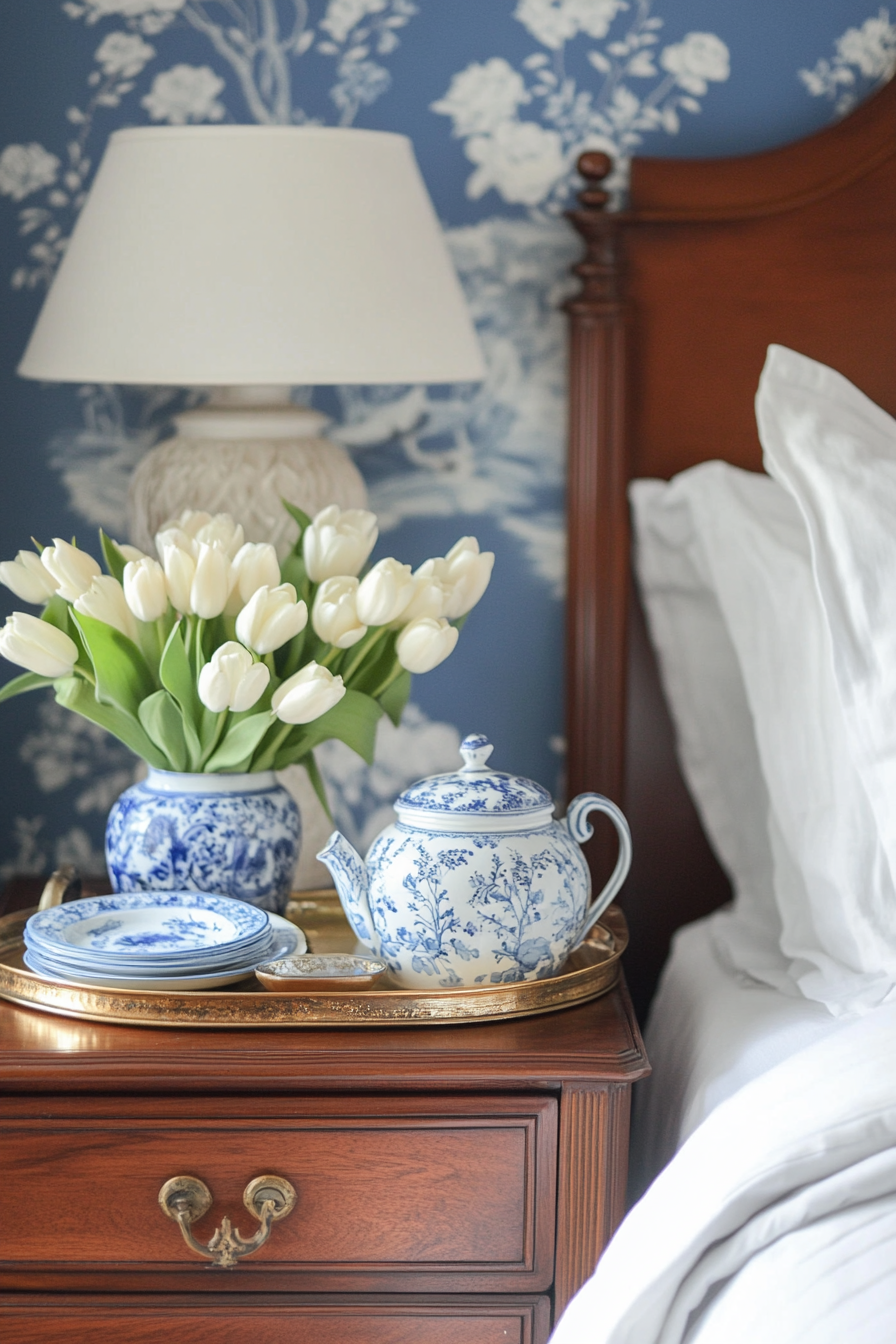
(599, 268)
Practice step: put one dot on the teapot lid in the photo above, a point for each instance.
(475, 797)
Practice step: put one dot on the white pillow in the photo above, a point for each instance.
(836, 452)
(714, 734)
(831, 879)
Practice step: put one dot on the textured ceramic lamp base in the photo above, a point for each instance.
(244, 460)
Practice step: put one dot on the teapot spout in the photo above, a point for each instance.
(349, 873)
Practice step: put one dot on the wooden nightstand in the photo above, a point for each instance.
(455, 1184)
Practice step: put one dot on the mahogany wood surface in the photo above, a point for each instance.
(393, 1193)
(712, 261)
(159, 1319)
(597, 1042)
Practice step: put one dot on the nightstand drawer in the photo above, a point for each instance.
(160, 1319)
(421, 1194)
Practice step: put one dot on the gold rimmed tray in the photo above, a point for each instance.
(591, 970)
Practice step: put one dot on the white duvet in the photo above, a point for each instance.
(775, 1222)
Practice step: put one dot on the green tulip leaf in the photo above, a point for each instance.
(239, 743)
(122, 675)
(177, 677)
(353, 721)
(301, 518)
(115, 561)
(77, 695)
(164, 724)
(317, 782)
(395, 697)
(28, 681)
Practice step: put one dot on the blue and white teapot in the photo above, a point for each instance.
(475, 884)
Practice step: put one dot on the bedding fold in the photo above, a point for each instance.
(791, 1177)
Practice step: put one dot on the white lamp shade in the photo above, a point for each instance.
(209, 255)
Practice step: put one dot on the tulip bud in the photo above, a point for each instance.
(73, 570)
(232, 679)
(270, 618)
(335, 615)
(424, 644)
(144, 588)
(306, 695)
(384, 593)
(105, 601)
(256, 566)
(212, 582)
(467, 574)
(28, 578)
(220, 531)
(429, 597)
(179, 564)
(338, 542)
(37, 646)
(188, 522)
(128, 552)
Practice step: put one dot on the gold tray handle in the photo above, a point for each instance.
(185, 1199)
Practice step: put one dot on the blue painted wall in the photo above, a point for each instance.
(498, 97)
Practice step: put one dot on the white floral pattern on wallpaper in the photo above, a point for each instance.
(863, 58)
(639, 87)
(601, 74)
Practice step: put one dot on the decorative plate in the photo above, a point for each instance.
(288, 941)
(146, 924)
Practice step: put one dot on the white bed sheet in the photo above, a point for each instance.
(711, 1031)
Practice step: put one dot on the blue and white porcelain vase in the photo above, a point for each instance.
(476, 883)
(234, 835)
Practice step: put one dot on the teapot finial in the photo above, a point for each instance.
(475, 750)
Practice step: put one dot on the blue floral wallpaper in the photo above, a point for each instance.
(499, 97)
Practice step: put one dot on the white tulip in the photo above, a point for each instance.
(385, 592)
(429, 598)
(338, 542)
(335, 615)
(145, 590)
(105, 601)
(308, 694)
(212, 582)
(178, 561)
(129, 552)
(188, 522)
(221, 531)
(73, 570)
(424, 644)
(467, 574)
(270, 618)
(232, 679)
(38, 646)
(28, 578)
(255, 566)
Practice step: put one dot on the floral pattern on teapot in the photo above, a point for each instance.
(475, 884)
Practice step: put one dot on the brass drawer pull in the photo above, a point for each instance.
(185, 1199)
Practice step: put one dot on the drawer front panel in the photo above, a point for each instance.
(514, 1321)
(406, 1194)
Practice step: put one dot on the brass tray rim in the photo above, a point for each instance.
(241, 1010)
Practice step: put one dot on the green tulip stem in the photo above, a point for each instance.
(330, 658)
(266, 760)
(218, 733)
(161, 635)
(364, 646)
(384, 685)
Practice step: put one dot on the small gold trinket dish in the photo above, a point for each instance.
(330, 970)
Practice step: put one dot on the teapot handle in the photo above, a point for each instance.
(581, 830)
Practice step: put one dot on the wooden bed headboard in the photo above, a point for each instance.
(681, 294)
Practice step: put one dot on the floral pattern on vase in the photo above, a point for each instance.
(233, 835)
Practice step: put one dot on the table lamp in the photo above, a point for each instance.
(246, 260)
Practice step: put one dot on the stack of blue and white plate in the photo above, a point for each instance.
(166, 940)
